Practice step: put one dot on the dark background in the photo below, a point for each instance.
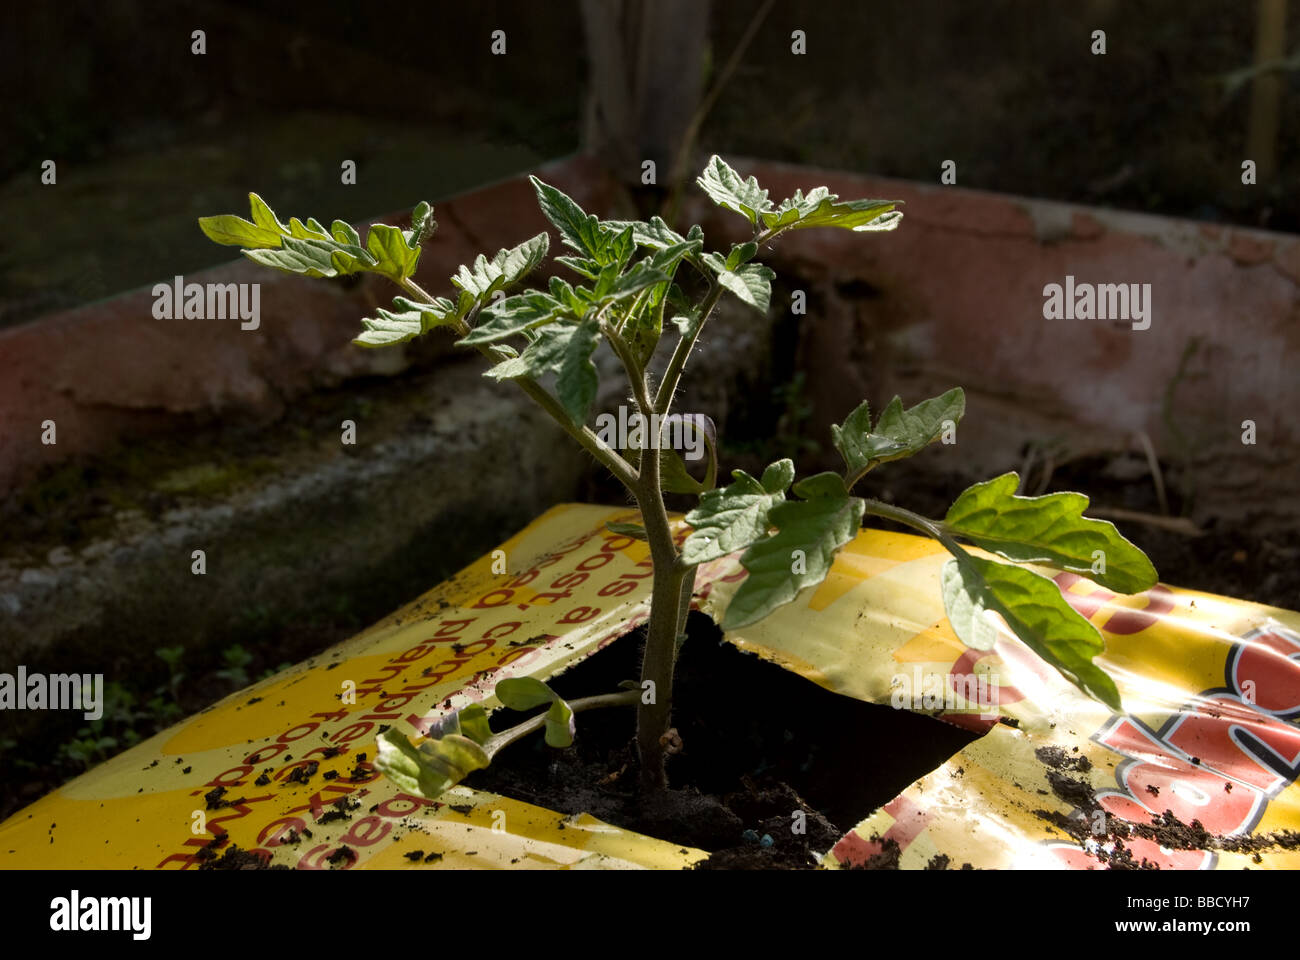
(148, 136)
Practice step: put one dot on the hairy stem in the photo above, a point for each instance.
(668, 386)
(500, 741)
(654, 718)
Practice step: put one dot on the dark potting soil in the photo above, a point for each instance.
(1165, 829)
(763, 752)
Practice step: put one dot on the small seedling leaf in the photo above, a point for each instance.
(525, 693)
(431, 769)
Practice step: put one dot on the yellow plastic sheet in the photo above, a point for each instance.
(291, 757)
(283, 768)
(1211, 686)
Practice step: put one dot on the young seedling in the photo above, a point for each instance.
(627, 285)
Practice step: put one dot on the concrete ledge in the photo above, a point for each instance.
(111, 370)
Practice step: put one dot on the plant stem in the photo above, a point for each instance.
(661, 633)
(664, 398)
(653, 719)
(927, 526)
(500, 741)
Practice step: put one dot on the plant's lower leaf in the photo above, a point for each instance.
(633, 530)
(673, 475)
(431, 769)
(1035, 611)
(525, 693)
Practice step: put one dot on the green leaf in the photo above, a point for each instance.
(898, 433)
(524, 693)
(264, 216)
(741, 253)
(613, 286)
(395, 256)
(434, 767)
(577, 378)
(313, 258)
(583, 231)
(513, 316)
(1035, 611)
(470, 721)
(633, 530)
(311, 230)
(817, 527)
(308, 250)
(566, 350)
(343, 233)
(422, 222)
(505, 269)
(726, 188)
(751, 282)
(234, 231)
(778, 476)
(655, 234)
(667, 259)
(821, 208)
(674, 477)
(389, 328)
(586, 268)
(1050, 530)
(737, 515)
(411, 320)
